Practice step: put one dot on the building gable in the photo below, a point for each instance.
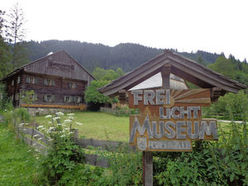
(59, 64)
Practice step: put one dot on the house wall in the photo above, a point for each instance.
(13, 86)
(58, 89)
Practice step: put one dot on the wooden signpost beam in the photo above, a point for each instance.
(147, 155)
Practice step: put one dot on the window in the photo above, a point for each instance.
(77, 99)
(72, 85)
(27, 79)
(32, 80)
(49, 82)
(18, 80)
(71, 99)
(12, 83)
(49, 98)
(66, 99)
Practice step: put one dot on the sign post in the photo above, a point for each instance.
(168, 120)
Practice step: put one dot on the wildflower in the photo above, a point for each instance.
(62, 136)
(50, 139)
(68, 121)
(39, 139)
(49, 122)
(50, 129)
(70, 117)
(48, 116)
(70, 114)
(56, 118)
(40, 127)
(78, 123)
(59, 113)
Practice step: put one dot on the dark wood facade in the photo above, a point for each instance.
(56, 79)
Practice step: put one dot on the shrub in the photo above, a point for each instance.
(224, 162)
(231, 106)
(65, 162)
(125, 168)
(63, 155)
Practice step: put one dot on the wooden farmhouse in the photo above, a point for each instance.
(179, 68)
(58, 81)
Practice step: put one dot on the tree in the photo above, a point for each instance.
(5, 55)
(15, 36)
(108, 74)
(93, 95)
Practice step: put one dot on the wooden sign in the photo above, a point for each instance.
(169, 120)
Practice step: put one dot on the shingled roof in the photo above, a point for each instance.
(181, 67)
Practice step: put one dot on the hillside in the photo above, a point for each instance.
(126, 56)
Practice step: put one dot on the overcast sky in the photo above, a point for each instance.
(187, 25)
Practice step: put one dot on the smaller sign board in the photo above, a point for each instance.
(169, 120)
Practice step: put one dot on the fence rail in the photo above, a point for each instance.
(41, 143)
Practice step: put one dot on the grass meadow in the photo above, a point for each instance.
(103, 126)
(98, 125)
(17, 161)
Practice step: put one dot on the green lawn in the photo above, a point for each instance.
(17, 162)
(102, 126)
(99, 125)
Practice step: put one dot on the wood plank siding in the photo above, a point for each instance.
(56, 79)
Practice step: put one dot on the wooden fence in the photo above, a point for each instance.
(41, 143)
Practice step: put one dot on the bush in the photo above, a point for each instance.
(224, 162)
(125, 168)
(64, 155)
(16, 116)
(231, 107)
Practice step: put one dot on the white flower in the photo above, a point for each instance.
(36, 135)
(78, 123)
(49, 122)
(40, 127)
(68, 121)
(70, 117)
(50, 139)
(59, 113)
(39, 139)
(51, 128)
(62, 136)
(59, 124)
(70, 114)
(21, 124)
(48, 116)
(56, 118)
